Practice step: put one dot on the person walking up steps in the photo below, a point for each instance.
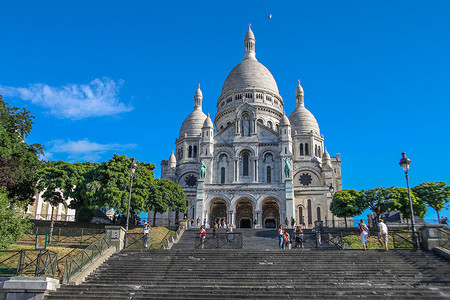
(383, 234)
(363, 231)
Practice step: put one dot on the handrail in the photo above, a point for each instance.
(444, 238)
(403, 240)
(76, 263)
(29, 262)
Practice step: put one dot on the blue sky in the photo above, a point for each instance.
(104, 77)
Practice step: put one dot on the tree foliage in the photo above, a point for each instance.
(400, 201)
(435, 194)
(18, 159)
(13, 223)
(377, 199)
(346, 204)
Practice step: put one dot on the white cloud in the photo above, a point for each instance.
(74, 101)
(84, 149)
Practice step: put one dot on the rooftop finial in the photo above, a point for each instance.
(199, 84)
(249, 44)
(299, 94)
(198, 96)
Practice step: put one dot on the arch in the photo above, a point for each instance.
(261, 121)
(301, 149)
(306, 149)
(270, 213)
(301, 215)
(319, 216)
(269, 124)
(218, 210)
(244, 213)
(190, 151)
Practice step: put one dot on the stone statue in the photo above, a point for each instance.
(287, 168)
(202, 170)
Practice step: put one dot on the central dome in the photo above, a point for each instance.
(249, 74)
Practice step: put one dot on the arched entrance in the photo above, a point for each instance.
(244, 214)
(270, 214)
(218, 211)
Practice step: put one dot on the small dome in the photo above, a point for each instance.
(284, 120)
(192, 125)
(303, 121)
(326, 155)
(249, 74)
(172, 158)
(198, 93)
(249, 34)
(208, 122)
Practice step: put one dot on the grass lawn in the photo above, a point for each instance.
(158, 236)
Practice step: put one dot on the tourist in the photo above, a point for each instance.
(286, 240)
(280, 236)
(292, 222)
(286, 223)
(198, 221)
(204, 223)
(145, 233)
(298, 237)
(230, 228)
(383, 234)
(202, 236)
(363, 232)
(192, 222)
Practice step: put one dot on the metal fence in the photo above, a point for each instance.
(48, 217)
(77, 262)
(28, 262)
(444, 238)
(136, 241)
(64, 236)
(219, 241)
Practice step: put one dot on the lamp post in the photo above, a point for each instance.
(132, 167)
(405, 162)
(331, 188)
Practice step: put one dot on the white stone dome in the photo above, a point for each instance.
(249, 74)
(303, 121)
(208, 122)
(284, 120)
(193, 123)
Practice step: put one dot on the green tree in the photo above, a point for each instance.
(18, 159)
(435, 194)
(400, 201)
(169, 197)
(13, 223)
(346, 204)
(377, 199)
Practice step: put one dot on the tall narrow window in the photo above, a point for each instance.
(315, 150)
(301, 149)
(245, 165)
(320, 153)
(319, 218)
(269, 174)
(222, 175)
(306, 149)
(301, 217)
(285, 150)
(195, 151)
(190, 151)
(309, 212)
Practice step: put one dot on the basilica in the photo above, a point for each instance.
(253, 165)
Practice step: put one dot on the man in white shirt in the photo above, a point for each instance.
(383, 234)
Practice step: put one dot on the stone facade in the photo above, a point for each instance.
(261, 166)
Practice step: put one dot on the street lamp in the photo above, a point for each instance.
(132, 167)
(331, 188)
(405, 162)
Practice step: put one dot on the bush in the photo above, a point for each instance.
(13, 223)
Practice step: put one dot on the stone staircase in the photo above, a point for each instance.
(265, 273)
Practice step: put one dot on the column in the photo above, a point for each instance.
(233, 219)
